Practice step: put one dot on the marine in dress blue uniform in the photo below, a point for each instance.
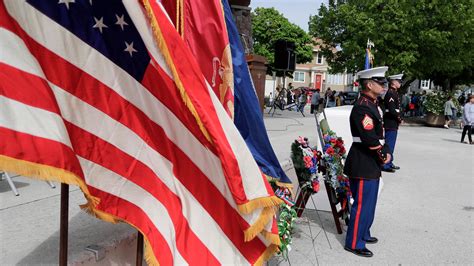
(392, 118)
(365, 159)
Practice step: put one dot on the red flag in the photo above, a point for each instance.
(202, 25)
(92, 98)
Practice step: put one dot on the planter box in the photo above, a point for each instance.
(435, 120)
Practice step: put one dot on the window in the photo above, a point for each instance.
(298, 76)
(319, 59)
(425, 84)
(335, 79)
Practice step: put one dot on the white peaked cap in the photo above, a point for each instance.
(376, 72)
(398, 76)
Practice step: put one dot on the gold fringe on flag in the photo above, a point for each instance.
(45, 172)
(273, 238)
(266, 255)
(258, 227)
(181, 17)
(254, 204)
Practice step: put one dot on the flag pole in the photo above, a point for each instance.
(139, 249)
(63, 226)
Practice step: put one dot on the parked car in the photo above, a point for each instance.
(349, 97)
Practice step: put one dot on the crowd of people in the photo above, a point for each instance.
(467, 110)
(297, 98)
(411, 105)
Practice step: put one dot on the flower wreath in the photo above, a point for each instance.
(286, 220)
(305, 161)
(334, 154)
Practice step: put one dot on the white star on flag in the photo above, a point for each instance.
(130, 49)
(66, 2)
(121, 21)
(99, 23)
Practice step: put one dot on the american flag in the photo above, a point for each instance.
(92, 95)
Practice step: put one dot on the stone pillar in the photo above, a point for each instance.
(242, 16)
(258, 70)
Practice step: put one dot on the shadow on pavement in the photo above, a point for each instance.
(326, 222)
(453, 140)
(4, 187)
(84, 230)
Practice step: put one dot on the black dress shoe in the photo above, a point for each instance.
(360, 252)
(371, 240)
(394, 167)
(389, 170)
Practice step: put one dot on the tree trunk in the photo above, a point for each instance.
(447, 85)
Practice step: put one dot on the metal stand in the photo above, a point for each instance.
(12, 185)
(277, 102)
(311, 235)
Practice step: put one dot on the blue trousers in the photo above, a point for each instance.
(391, 140)
(364, 192)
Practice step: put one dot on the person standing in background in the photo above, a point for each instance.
(289, 95)
(468, 120)
(448, 111)
(392, 118)
(315, 101)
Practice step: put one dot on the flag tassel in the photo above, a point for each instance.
(267, 255)
(254, 204)
(258, 227)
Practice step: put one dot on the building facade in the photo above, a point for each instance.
(314, 74)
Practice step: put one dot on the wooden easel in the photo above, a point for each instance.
(322, 128)
(303, 197)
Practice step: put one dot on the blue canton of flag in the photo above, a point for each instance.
(104, 25)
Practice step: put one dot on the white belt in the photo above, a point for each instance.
(386, 110)
(358, 140)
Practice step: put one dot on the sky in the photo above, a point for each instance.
(297, 11)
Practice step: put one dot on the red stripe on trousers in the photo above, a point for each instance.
(359, 206)
(38, 150)
(129, 212)
(110, 157)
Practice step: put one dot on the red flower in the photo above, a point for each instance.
(330, 151)
(315, 186)
(342, 151)
(333, 141)
(308, 162)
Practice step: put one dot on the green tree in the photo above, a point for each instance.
(426, 39)
(269, 25)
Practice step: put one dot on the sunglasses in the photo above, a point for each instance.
(380, 81)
